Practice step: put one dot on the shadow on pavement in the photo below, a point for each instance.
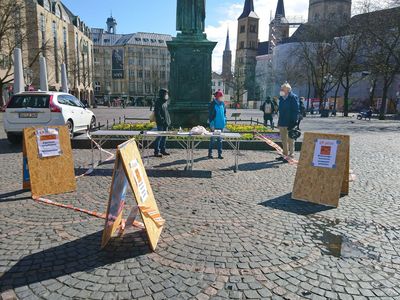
(178, 173)
(80, 255)
(286, 203)
(6, 147)
(253, 166)
(6, 196)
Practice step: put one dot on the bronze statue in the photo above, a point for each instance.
(190, 16)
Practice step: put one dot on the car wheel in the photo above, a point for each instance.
(14, 139)
(70, 126)
(92, 123)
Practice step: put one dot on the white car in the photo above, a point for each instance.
(30, 109)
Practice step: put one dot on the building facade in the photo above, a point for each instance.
(132, 67)
(50, 29)
(246, 50)
(338, 12)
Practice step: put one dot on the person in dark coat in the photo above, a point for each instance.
(302, 112)
(163, 121)
(268, 108)
(288, 116)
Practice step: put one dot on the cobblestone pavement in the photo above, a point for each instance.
(237, 236)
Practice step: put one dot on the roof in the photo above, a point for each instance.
(102, 38)
(263, 48)
(280, 9)
(248, 10)
(227, 44)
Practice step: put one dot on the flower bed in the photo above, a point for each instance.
(248, 131)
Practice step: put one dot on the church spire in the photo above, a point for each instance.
(228, 43)
(248, 10)
(280, 10)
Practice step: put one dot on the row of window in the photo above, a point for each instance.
(141, 74)
(250, 45)
(252, 29)
(133, 87)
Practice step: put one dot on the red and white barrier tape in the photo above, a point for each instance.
(278, 149)
(91, 170)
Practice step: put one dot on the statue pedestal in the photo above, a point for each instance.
(190, 80)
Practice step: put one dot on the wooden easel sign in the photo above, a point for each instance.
(48, 166)
(129, 171)
(323, 169)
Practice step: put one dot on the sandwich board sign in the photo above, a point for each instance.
(129, 172)
(323, 169)
(48, 165)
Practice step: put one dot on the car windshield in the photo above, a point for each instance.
(32, 101)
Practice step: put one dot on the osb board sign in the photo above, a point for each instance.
(48, 170)
(129, 170)
(323, 169)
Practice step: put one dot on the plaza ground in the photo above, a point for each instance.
(237, 236)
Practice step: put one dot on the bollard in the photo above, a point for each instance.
(107, 124)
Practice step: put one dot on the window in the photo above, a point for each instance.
(96, 60)
(55, 40)
(242, 29)
(161, 41)
(253, 28)
(138, 39)
(147, 74)
(58, 11)
(131, 61)
(96, 51)
(147, 51)
(153, 40)
(140, 74)
(46, 4)
(140, 88)
(106, 41)
(146, 40)
(33, 101)
(147, 88)
(154, 51)
(241, 45)
(131, 74)
(132, 87)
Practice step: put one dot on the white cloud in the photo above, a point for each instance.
(263, 8)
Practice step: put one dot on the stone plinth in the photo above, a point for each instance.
(190, 80)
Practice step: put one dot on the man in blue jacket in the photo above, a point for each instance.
(288, 117)
(217, 118)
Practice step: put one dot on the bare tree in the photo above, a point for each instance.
(347, 51)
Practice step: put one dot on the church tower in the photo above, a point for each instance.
(279, 26)
(227, 60)
(337, 12)
(246, 50)
(111, 25)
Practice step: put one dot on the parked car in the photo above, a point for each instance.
(29, 109)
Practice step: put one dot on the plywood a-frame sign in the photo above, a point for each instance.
(129, 170)
(323, 169)
(48, 165)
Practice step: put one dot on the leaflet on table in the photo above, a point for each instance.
(139, 179)
(325, 153)
(48, 141)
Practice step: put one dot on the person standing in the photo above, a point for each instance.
(288, 116)
(268, 109)
(217, 118)
(163, 121)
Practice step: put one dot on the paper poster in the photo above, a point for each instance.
(48, 140)
(139, 179)
(325, 153)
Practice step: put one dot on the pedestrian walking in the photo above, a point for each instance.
(268, 108)
(288, 116)
(302, 113)
(163, 121)
(217, 118)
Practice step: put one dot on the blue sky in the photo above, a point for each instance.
(159, 16)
